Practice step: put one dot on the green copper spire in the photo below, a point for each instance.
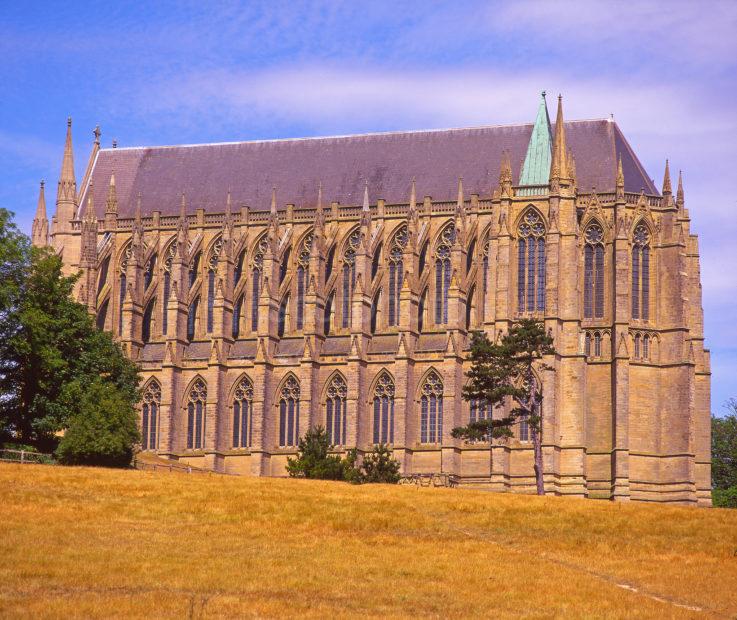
(536, 169)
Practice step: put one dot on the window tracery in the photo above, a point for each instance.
(443, 272)
(212, 266)
(531, 263)
(593, 300)
(431, 409)
(349, 274)
(335, 411)
(396, 272)
(257, 267)
(384, 409)
(289, 413)
(243, 414)
(641, 273)
(151, 403)
(303, 276)
(196, 403)
(168, 260)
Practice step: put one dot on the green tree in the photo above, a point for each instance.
(502, 373)
(380, 466)
(313, 460)
(103, 429)
(724, 457)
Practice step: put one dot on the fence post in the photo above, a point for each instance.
(22, 456)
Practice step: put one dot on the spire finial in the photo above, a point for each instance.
(111, 204)
(40, 229)
(679, 192)
(69, 122)
(89, 213)
(460, 193)
(67, 181)
(559, 166)
(273, 200)
(228, 205)
(365, 197)
(41, 206)
(138, 208)
(97, 133)
(667, 190)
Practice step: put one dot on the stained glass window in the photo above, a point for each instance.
(349, 274)
(384, 409)
(593, 294)
(531, 263)
(151, 403)
(289, 413)
(257, 268)
(243, 414)
(431, 409)
(335, 411)
(303, 275)
(196, 403)
(396, 272)
(641, 273)
(443, 273)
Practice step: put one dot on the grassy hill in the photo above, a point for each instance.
(78, 542)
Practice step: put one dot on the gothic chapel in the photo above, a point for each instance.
(266, 287)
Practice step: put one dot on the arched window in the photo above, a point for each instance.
(531, 263)
(431, 409)
(384, 409)
(637, 346)
(283, 312)
(327, 320)
(375, 262)
(237, 311)
(335, 415)
(212, 266)
(396, 272)
(147, 318)
(470, 255)
(102, 278)
(303, 276)
(421, 311)
(257, 269)
(375, 304)
(524, 429)
(194, 267)
(289, 413)
(151, 403)
(284, 265)
(102, 315)
(587, 347)
(443, 273)
(593, 273)
(349, 274)
(243, 414)
(196, 403)
(169, 258)
(148, 271)
(641, 273)
(192, 319)
(646, 347)
(597, 344)
(329, 263)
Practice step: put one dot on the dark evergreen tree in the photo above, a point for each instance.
(313, 459)
(724, 457)
(380, 466)
(503, 372)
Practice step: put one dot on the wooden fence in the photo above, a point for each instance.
(25, 457)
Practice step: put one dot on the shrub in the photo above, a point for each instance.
(724, 498)
(313, 460)
(103, 431)
(378, 466)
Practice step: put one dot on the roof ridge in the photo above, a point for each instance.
(338, 136)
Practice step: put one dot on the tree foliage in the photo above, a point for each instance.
(724, 457)
(313, 459)
(503, 372)
(379, 466)
(103, 430)
(51, 353)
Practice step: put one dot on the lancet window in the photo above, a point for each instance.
(443, 272)
(289, 413)
(480, 410)
(168, 260)
(396, 272)
(256, 271)
(335, 411)
(431, 409)
(384, 409)
(641, 273)
(531, 263)
(212, 267)
(303, 276)
(151, 403)
(196, 404)
(593, 273)
(349, 274)
(243, 414)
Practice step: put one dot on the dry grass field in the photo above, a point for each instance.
(78, 542)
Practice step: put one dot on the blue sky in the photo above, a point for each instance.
(187, 72)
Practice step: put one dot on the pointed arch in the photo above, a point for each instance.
(287, 398)
(304, 252)
(150, 406)
(241, 399)
(123, 258)
(257, 268)
(531, 232)
(593, 284)
(166, 265)
(350, 246)
(641, 237)
(443, 270)
(398, 244)
(382, 397)
(195, 406)
(430, 396)
(335, 397)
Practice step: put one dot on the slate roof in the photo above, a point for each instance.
(388, 161)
